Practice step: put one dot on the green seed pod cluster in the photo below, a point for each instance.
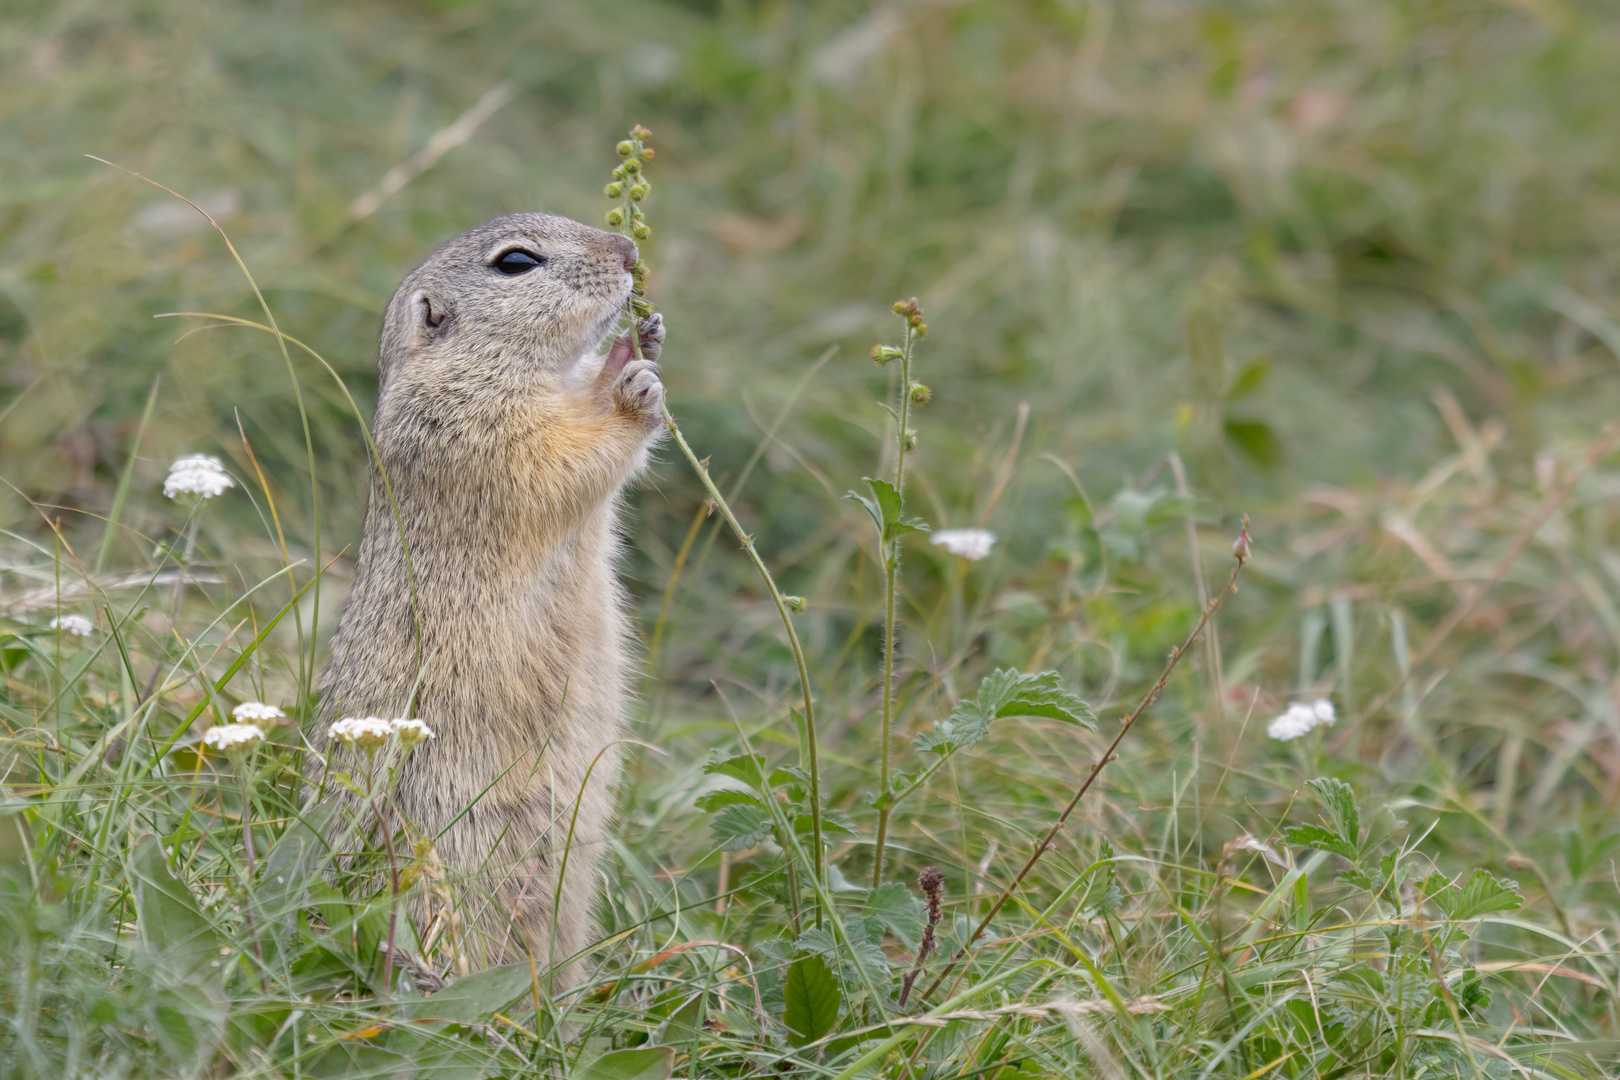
(883, 354)
(919, 393)
(630, 184)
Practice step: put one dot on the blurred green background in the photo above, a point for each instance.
(1316, 248)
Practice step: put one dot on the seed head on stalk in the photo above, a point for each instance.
(628, 187)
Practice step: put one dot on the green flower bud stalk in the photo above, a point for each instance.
(798, 603)
(911, 392)
(613, 191)
(629, 219)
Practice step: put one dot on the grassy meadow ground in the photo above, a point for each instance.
(1345, 266)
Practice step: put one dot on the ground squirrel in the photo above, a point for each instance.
(506, 438)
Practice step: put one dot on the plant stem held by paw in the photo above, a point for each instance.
(629, 184)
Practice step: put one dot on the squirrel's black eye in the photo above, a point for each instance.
(518, 261)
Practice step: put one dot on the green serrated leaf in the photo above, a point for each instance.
(1340, 802)
(711, 801)
(1035, 695)
(788, 776)
(900, 912)
(885, 507)
(740, 826)
(811, 999)
(749, 768)
(1314, 836)
(1006, 693)
(639, 1063)
(173, 929)
(1481, 895)
(888, 499)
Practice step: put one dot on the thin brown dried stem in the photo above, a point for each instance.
(1240, 551)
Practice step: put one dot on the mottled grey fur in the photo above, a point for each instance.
(506, 437)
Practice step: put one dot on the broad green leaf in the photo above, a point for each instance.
(749, 768)
(172, 927)
(1340, 802)
(711, 801)
(812, 998)
(738, 826)
(639, 1063)
(1256, 439)
(1002, 694)
(884, 508)
(866, 962)
(296, 859)
(1314, 836)
(900, 912)
(1483, 894)
(474, 997)
(831, 821)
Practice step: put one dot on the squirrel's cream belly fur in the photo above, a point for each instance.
(504, 441)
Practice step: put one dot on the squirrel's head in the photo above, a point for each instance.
(525, 291)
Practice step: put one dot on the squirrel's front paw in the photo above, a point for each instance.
(649, 333)
(640, 392)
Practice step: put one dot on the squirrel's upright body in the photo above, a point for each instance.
(485, 582)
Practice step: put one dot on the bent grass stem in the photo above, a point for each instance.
(747, 541)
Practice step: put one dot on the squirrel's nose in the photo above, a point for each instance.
(627, 249)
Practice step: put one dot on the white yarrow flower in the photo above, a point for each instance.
(233, 738)
(1301, 719)
(971, 544)
(77, 625)
(412, 732)
(362, 732)
(249, 711)
(197, 474)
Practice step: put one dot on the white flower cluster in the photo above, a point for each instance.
(197, 474)
(971, 544)
(370, 732)
(77, 625)
(233, 738)
(1301, 718)
(250, 711)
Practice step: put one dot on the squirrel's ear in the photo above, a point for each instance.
(432, 316)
